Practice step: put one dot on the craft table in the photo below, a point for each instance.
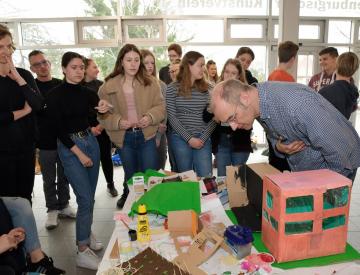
(217, 264)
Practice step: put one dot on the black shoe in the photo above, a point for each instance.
(112, 190)
(45, 266)
(120, 203)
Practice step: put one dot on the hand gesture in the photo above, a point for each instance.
(27, 108)
(144, 121)
(196, 143)
(125, 124)
(85, 160)
(13, 73)
(104, 106)
(96, 130)
(162, 128)
(291, 148)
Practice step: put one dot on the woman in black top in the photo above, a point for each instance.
(69, 105)
(91, 82)
(19, 99)
(230, 147)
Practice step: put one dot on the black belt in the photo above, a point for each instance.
(134, 129)
(81, 134)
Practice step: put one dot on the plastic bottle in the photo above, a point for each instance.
(143, 230)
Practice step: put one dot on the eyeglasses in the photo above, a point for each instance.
(232, 118)
(39, 64)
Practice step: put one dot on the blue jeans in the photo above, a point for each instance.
(138, 154)
(22, 216)
(226, 156)
(188, 158)
(83, 181)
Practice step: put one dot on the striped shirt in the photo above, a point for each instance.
(294, 112)
(185, 113)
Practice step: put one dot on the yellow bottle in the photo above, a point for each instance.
(143, 230)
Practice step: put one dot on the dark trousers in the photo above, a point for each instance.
(105, 156)
(17, 171)
(56, 185)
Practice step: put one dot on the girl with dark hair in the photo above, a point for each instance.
(185, 100)
(150, 65)
(92, 83)
(69, 105)
(231, 147)
(246, 56)
(138, 109)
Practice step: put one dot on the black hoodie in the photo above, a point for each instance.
(343, 95)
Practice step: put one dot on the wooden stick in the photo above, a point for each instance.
(125, 224)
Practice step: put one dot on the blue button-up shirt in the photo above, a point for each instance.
(294, 111)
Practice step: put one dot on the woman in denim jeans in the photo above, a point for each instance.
(137, 110)
(231, 147)
(69, 104)
(185, 101)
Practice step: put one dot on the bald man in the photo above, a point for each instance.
(302, 126)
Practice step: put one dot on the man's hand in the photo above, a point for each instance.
(196, 143)
(291, 148)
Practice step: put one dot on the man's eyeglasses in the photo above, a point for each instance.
(39, 64)
(232, 118)
(173, 71)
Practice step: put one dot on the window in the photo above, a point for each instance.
(299, 204)
(307, 31)
(333, 222)
(44, 8)
(193, 7)
(143, 30)
(97, 31)
(339, 31)
(47, 34)
(196, 31)
(337, 197)
(298, 227)
(305, 68)
(245, 29)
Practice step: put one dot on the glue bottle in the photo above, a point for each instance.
(143, 230)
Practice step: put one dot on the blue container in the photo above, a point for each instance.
(239, 238)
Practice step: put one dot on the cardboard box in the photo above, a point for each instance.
(183, 223)
(244, 183)
(305, 214)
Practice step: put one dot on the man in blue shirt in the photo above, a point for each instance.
(302, 125)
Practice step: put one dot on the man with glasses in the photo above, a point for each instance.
(174, 52)
(56, 186)
(302, 126)
(19, 99)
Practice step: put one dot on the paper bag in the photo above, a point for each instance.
(236, 185)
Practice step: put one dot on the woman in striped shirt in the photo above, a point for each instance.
(185, 100)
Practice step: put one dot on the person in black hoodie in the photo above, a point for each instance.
(343, 94)
(19, 100)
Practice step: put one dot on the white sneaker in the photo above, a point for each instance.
(67, 212)
(94, 243)
(87, 259)
(52, 220)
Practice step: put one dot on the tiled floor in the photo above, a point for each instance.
(60, 242)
